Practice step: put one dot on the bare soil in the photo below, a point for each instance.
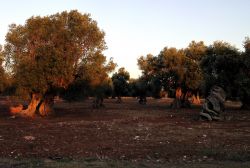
(124, 135)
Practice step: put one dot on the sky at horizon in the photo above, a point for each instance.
(137, 27)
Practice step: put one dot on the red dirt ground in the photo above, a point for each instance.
(127, 131)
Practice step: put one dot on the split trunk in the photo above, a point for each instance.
(42, 105)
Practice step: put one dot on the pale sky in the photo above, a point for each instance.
(138, 27)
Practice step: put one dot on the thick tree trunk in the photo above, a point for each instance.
(45, 107)
(31, 110)
(177, 101)
(37, 104)
(196, 99)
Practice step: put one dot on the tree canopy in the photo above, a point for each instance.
(175, 68)
(217, 67)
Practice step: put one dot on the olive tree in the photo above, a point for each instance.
(221, 66)
(176, 70)
(120, 81)
(45, 54)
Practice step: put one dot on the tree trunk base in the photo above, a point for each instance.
(36, 106)
(31, 110)
(196, 100)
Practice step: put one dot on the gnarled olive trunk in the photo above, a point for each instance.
(31, 110)
(38, 104)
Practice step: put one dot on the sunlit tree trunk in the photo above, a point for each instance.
(31, 110)
(196, 99)
(45, 107)
(177, 101)
(14, 110)
(42, 106)
(181, 99)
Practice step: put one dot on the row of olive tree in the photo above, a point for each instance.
(63, 54)
(197, 68)
(122, 85)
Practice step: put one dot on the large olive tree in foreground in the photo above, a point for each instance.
(46, 52)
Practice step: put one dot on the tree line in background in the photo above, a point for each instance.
(195, 69)
(61, 55)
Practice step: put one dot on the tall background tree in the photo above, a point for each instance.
(150, 77)
(46, 53)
